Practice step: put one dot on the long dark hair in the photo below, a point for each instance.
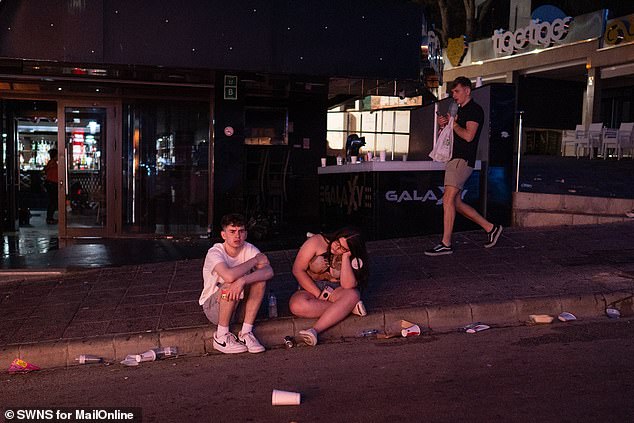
(356, 244)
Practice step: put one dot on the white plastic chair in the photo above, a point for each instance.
(591, 140)
(610, 141)
(581, 137)
(568, 138)
(625, 136)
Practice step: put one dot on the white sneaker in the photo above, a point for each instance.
(309, 336)
(228, 344)
(251, 342)
(359, 309)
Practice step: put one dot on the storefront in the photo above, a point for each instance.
(166, 118)
(569, 70)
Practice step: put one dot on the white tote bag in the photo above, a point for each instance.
(443, 149)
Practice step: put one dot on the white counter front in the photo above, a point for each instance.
(387, 166)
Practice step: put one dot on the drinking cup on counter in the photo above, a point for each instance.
(323, 162)
(353, 159)
(339, 160)
(382, 155)
(369, 156)
(404, 157)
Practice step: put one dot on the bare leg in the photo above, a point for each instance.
(226, 311)
(304, 304)
(449, 212)
(254, 298)
(470, 213)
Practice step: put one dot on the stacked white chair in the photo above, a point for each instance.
(625, 136)
(610, 142)
(591, 140)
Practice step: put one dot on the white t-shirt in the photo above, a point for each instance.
(215, 255)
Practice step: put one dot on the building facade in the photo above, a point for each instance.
(167, 116)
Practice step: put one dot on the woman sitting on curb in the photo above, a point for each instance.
(331, 270)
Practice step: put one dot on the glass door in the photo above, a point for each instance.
(87, 186)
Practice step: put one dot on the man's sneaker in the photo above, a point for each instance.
(359, 309)
(251, 342)
(439, 250)
(228, 344)
(309, 336)
(493, 236)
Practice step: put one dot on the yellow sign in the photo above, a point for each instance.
(456, 50)
(619, 30)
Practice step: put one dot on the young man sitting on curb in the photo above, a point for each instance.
(232, 271)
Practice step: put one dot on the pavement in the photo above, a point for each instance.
(51, 314)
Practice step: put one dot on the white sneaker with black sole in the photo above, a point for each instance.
(439, 250)
(229, 344)
(251, 342)
(493, 236)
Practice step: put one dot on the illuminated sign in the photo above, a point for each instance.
(619, 30)
(537, 33)
(456, 50)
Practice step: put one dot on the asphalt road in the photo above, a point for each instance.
(573, 372)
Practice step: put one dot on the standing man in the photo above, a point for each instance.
(232, 271)
(466, 131)
(50, 184)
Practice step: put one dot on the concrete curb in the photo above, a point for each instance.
(439, 319)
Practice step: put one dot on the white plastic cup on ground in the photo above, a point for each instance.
(382, 155)
(149, 355)
(353, 159)
(285, 397)
(323, 162)
(411, 331)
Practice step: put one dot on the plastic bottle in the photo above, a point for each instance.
(367, 332)
(272, 306)
(166, 352)
(88, 359)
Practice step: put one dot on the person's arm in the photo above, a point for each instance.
(348, 280)
(300, 266)
(230, 274)
(468, 133)
(263, 272)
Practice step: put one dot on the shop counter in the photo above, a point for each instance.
(390, 199)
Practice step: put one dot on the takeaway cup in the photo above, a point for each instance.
(285, 397)
(382, 155)
(323, 162)
(353, 159)
(369, 156)
(404, 157)
(413, 330)
(149, 355)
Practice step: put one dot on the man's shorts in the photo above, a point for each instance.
(457, 172)
(211, 307)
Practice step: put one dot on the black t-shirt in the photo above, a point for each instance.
(461, 148)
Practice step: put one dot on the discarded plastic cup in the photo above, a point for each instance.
(566, 317)
(88, 359)
(612, 313)
(478, 328)
(367, 332)
(130, 360)
(413, 330)
(471, 326)
(149, 355)
(285, 397)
